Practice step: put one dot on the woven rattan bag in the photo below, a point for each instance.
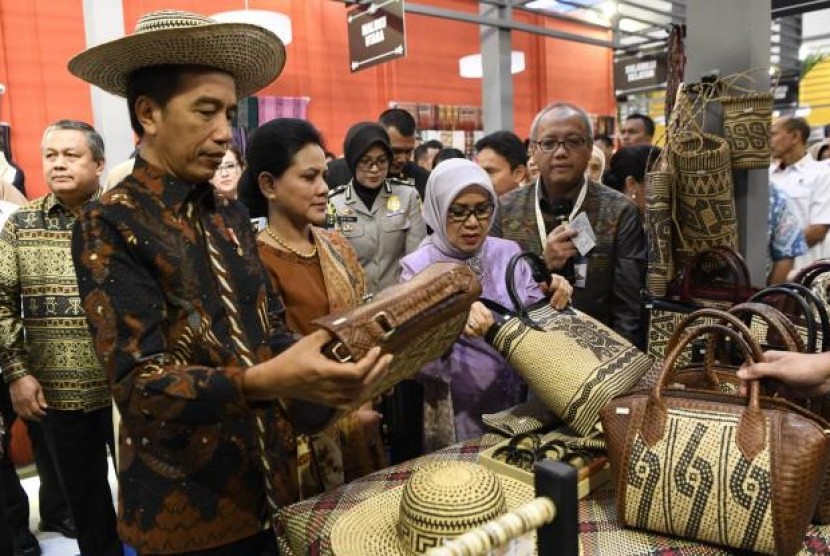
(571, 361)
(704, 197)
(747, 122)
(744, 472)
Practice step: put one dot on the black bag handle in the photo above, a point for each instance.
(540, 274)
(818, 306)
(807, 311)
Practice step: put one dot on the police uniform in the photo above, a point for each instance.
(382, 235)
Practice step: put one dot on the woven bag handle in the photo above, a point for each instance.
(720, 317)
(806, 310)
(809, 273)
(735, 82)
(735, 263)
(751, 434)
(820, 309)
(775, 320)
(498, 532)
(540, 274)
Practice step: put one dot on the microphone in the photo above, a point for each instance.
(561, 209)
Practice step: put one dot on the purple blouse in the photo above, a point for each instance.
(481, 381)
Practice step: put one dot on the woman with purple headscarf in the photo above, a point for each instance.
(459, 206)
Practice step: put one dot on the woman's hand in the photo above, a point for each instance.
(560, 291)
(479, 320)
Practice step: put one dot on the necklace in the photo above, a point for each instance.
(310, 255)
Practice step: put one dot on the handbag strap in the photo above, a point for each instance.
(540, 274)
(751, 434)
(820, 309)
(806, 310)
(809, 273)
(734, 262)
(775, 320)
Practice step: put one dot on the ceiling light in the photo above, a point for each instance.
(471, 66)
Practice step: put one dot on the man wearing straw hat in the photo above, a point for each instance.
(179, 306)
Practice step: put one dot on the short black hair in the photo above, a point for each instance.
(422, 149)
(506, 144)
(633, 161)
(604, 139)
(94, 141)
(800, 125)
(446, 154)
(271, 148)
(400, 119)
(159, 83)
(648, 123)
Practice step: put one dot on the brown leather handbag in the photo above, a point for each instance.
(417, 321)
(744, 472)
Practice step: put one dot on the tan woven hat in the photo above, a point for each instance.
(252, 54)
(439, 501)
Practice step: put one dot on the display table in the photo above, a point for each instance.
(308, 524)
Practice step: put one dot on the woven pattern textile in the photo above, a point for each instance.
(705, 204)
(659, 231)
(747, 123)
(307, 525)
(575, 365)
(706, 477)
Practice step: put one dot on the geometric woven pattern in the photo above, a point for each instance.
(307, 525)
(747, 127)
(409, 519)
(704, 202)
(695, 483)
(574, 365)
(659, 221)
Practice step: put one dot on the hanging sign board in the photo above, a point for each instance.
(639, 72)
(376, 33)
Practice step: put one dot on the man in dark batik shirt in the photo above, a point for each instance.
(607, 279)
(180, 308)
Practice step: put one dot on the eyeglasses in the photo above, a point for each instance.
(367, 163)
(569, 144)
(458, 213)
(229, 167)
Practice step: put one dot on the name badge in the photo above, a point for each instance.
(580, 271)
(341, 218)
(393, 204)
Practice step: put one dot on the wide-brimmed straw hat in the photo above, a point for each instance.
(439, 501)
(253, 55)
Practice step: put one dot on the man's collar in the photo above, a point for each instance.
(173, 192)
(797, 165)
(543, 193)
(52, 202)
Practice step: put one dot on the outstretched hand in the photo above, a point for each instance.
(799, 375)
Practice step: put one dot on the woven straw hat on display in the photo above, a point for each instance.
(439, 501)
(253, 55)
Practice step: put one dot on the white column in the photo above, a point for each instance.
(104, 21)
(496, 81)
(730, 37)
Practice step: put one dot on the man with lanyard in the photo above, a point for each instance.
(181, 311)
(400, 125)
(585, 231)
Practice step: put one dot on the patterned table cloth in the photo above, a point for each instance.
(307, 525)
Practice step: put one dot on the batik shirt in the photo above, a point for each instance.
(43, 329)
(179, 307)
(786, 238)
(616, 265)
